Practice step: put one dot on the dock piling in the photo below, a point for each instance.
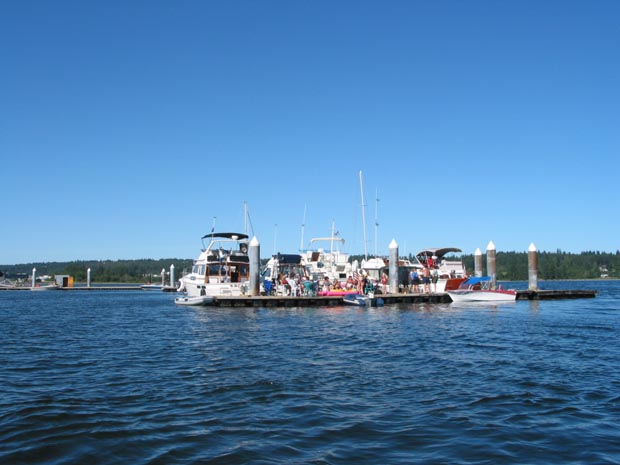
(478, 263)
(254, 253)
(532, 268)
(393, 266)
(491, 270)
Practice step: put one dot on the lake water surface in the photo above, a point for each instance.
(127, 377)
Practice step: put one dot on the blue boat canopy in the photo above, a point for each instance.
(475, 280)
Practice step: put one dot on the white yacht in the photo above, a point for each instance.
(333, 263)
(221, 269)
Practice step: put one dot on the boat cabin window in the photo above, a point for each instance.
(198, 269)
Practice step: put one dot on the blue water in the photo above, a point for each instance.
(126, 377)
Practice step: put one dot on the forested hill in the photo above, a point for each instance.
(106, 271)
(554, 265)
(511, 266)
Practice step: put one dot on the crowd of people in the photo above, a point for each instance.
(420, 280)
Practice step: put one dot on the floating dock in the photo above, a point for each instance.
(333, 301)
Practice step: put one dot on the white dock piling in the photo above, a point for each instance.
(532, 268)
(34, 277)
(163, 277)
(172, 275)
(393, 267)
(254, 255)
(88, 277)
(478, 263)
(491, 270)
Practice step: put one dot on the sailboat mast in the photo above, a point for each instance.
(376, 221)
(332, 238)
(303, 227)
(363, 217)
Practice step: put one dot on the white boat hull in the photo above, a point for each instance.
(357, 300)
(196, 286)
(201, 301)
(50, 287)
(151, 287)
(478, 295)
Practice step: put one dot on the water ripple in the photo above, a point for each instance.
(110, 378)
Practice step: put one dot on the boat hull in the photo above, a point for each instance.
(482, 295)
(200, 301)
(50, 287)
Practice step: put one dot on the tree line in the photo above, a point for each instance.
(103, 271)
(511, 266)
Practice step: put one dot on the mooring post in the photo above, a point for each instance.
(88, 277)
(163, 277)
(393, 267)
(532, 268)
(478, 263)
(172, 275)
(34, 277)
(491, 271)
(254, 253)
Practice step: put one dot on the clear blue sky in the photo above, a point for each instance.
(126, 127)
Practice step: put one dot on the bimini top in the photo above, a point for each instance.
(226, 235)
(288, 258)
(437, 252)
(475, 280)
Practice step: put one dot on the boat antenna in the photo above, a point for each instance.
(303, 226)
(275, 237)
(363, 216)
(212, 232)
(247, 219)
(376, 221)
(331, 251)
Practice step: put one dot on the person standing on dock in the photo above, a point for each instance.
(426, 280)
(414, 279)
(434, 278)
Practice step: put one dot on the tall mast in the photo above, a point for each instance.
(303, 226)
(363, 217)
(376, 221)
(332, 238)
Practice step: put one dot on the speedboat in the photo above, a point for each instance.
(477, 289)
(221, 269)
(446, 274)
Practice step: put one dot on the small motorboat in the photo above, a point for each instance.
(360, 300)
(46, 287)
(199, 301)
(357, 299)
(151, 287)
(478, 289)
